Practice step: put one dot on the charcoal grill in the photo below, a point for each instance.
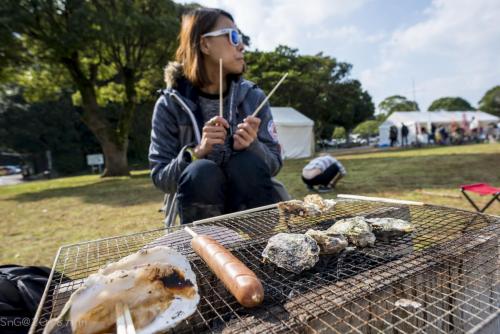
(442, 278)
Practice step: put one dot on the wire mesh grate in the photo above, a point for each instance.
(447, 269)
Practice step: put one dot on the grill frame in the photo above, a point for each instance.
(305, 311)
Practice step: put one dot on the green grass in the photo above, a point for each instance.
(38, 217)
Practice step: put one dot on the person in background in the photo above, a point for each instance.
(424, 135)
(433, 134)
(474, 129)
(404, 135)
(393, 135)
(324, 171)
(442, 135)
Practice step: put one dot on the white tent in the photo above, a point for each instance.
(295, 132)
(415, 120)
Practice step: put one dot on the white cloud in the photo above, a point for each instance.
(450, 49)
(343, 35)
(274, 22)
(452, 52)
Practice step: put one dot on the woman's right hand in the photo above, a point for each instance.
(214, 132)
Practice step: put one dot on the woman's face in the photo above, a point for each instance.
(220, 47)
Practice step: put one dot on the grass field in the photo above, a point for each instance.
(38, 217)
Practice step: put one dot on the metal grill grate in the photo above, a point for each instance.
(448, 268)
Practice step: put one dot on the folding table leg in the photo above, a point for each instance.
(470, 201)
(495, 197)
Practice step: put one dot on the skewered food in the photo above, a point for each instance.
(293, 252)
(356, 229)
(157, 284)
(328, 243)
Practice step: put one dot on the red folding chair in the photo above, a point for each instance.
(481, 189)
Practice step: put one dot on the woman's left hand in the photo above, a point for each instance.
(246, 133)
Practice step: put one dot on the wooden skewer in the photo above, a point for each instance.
(268, 96)
(379, 199)
(221, 112)
(191, 232)
(124, 324)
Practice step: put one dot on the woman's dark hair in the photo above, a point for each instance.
(194, 24)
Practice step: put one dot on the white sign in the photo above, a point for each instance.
(95, 159)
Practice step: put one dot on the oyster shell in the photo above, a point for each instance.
(291, 251)
(356, 229)
(157, 284)
(312, 206)
(390, 227)
(323, 205)
(328, 243)
(298, 208)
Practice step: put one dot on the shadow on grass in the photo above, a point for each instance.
(404, 173)
(364, 176)
(136, 190)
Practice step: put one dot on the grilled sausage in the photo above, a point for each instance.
(238, 278)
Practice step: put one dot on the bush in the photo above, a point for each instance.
(367, 128)
(339, 133)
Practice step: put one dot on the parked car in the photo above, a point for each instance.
(10, 170)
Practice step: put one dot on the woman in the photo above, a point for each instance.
(214, 164)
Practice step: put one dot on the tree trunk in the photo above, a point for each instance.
(115, 159)
(114, 149)
(114, 143)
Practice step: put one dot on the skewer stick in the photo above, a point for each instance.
(221, 112)
(268, 96)
(191, 232)
(379, 199)
(124, 324)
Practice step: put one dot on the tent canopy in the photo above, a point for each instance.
(295, 132)
(414, 120)
(419, 117)
(290, 116)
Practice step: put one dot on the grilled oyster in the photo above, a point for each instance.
(298, 208)
(293, 252)
(312, 206)
(389, 227)
(323, 205)
(356, 229)
(157, 284)
(328, 243)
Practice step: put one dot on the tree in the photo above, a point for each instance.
(367, 128)
(490, 102)
(450, 104)
(339, 133)
(352, 105)
(318, 86)
(105, 52)
(46, 126)
(397, 103)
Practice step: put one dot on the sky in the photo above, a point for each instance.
(421, 49)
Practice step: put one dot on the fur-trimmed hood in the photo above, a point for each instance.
(173, 72)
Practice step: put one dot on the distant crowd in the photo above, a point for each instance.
(452, 134)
